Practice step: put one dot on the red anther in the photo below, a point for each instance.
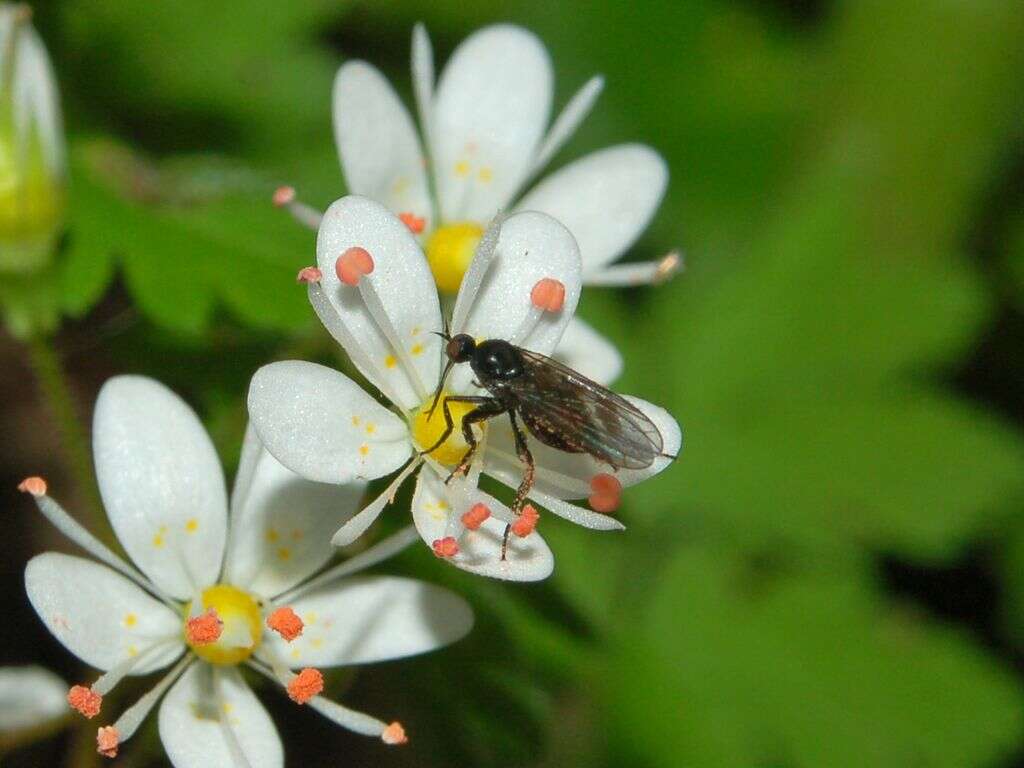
(34, 485)
(286, 623)
(204, 629)
(353, 264)
(476, 515)
(305, 685)
(525, 524)
(283, 196)
(394, 734)
(548, 295)
(413, 222)
(309, 275)
(607, 492)
(85, 700)
(446, 547)
(107, 740)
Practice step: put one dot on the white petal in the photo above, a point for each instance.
(380, 152)
(606, 199)
(532, 246)
(567, 475)
(490, 110)
(404, 284)
(97, 614)
(568, 121)
(161, 482)
(364, 619)
(320, 424)
(281, 530)
(585, 350)
(198, 709)
(436, 517)
(30, 696)
(423, 77)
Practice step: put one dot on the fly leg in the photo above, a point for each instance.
(523, 451)
(449, 420)
(488, 408)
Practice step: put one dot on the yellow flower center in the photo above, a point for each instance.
(428, 430)
(242, 630)
(450, 250)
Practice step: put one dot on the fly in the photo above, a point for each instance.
(559, 406)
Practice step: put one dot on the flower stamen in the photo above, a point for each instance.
(446, 547)
(107, 740)
(526, 523)
(607, 492)
(353, 264)
(307, 215)
(85, 700)
(305, 685)
(309, 275)
(415, 223)
(394, 734)
(475, 517)
(34, 485)
(204, 629)
(286, 623)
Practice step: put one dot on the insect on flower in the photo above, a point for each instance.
(559, 406)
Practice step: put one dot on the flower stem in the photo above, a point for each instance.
(53, 385)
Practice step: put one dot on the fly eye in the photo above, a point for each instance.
(460, 348)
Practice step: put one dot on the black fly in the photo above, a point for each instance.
(560, 407)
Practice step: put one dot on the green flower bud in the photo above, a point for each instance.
(33, 185)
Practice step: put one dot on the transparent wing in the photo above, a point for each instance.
(566, 410)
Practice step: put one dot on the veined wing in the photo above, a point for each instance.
(566, 410)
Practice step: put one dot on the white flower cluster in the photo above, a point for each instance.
(219, 582)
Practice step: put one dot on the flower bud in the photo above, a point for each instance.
(32, 154)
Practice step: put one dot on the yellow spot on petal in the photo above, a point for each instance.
(130, 619)
(417, 349)
(416, 330)
(310, 618)
(133, 651)
(364, 449)
(486, 174)
(284, 553)
(272, 535)
(316, 642)
(192, 525)
(295, 653)
(355, 421)
(390, 361)
(462, 168)
(226, 707)
(442, 505)
(371, 428)
(158, 541)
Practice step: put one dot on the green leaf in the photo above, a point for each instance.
(798, 670)
(185, 246)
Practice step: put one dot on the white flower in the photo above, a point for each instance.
(32, 164)
(207, 596)
(484, 129)
(374, 292)
(30, 697)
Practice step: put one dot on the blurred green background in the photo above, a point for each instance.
(833, 572)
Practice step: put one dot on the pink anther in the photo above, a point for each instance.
(446, 547)
(353, 264)
(415, 223)
(305, 685)
(286, 623)
(204, 629)
(548, 295)
(526, 523)
(309, 275)
(107, 741)
(283, 196)
(607, 492)
(85, 700)
(34, 485)
(394, 734)
(476, 515)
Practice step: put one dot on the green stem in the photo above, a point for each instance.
(53, 384)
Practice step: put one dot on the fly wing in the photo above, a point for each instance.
(567, 410)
